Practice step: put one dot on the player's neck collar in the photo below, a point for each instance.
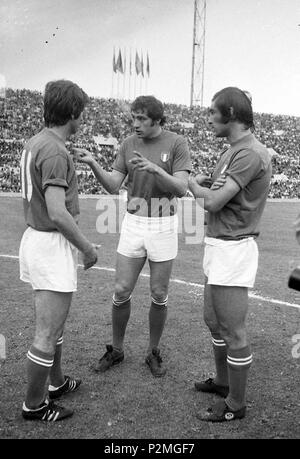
(244, 138)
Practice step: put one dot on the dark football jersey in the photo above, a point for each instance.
(46, 161)
(169, 151)
(248, 163)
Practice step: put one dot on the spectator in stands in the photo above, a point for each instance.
(21, 117)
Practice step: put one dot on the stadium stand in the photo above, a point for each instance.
(21, 116)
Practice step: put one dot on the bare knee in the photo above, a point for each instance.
(212, 326)
(159, 293)
(234, 338)
(122, 291)
(46, 341)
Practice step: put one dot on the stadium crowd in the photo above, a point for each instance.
(21, 117)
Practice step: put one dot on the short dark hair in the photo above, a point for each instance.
(235, 98)
(63, 101)
(152, 106)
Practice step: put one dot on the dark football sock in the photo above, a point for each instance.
(220, 354)
(120, 316)
(157, 318)
(38, 368)
(56, 376)
(239, 362)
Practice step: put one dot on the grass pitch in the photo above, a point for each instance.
(127, 402)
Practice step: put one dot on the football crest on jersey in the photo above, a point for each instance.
(165, 156)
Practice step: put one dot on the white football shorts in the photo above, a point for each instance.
(230, 263)
(48, 261)
(152, 237)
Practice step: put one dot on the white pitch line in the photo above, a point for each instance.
(190, 284)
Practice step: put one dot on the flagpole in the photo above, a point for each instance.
(112, 76)
(119, 70)
(147, 73)
(135, 73)
(112, 84)
(124, 74)
(141, 74)
(130, 72)
(145, 76)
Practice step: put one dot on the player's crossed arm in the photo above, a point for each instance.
(217, 196)
(206, 181)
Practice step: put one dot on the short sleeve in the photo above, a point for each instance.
(119, 163)
(246, 166)
(54, 171)
(182, 157)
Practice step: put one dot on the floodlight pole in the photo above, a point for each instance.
(198, 57)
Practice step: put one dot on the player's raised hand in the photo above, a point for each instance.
(192, 184)
(221, 180)
(143, 164)
(90, 257)
(203, 180)
(82, 155)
